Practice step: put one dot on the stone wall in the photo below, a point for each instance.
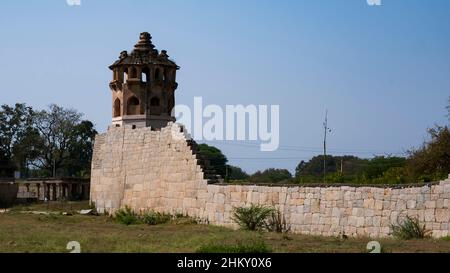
(158, 170)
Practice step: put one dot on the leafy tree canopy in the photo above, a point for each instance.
(236, 173)
(271, 176)
(215, 158)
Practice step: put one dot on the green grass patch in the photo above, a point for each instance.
(258, 247)
(27, 232)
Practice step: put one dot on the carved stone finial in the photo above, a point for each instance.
(145, 42)
(145, 36)
(163, 54)
(123, 54)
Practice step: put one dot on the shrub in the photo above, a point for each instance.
(258, 247)
(127, 216)
(252, 218)
(409, 228)
(181, 219)
(277, 222)
(155, 218)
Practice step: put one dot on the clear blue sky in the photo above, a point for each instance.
(383, 72)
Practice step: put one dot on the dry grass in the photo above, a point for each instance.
(20, 232)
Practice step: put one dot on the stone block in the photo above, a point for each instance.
(429, 215)
(430, 204)
(411, 204)
(442, 215)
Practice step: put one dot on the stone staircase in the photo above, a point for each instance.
(209, 174)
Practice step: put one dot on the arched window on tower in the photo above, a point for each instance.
(125, 74)
(117, 108)
(145, 74)
(133, 106)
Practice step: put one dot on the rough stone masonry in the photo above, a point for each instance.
(158, 170)
(148, 162)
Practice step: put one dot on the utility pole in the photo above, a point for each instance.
(326, 130)
(226, 172)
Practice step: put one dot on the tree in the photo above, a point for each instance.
(300, 169)
(27, 149)
(271, 176)
(314, 167)
(394, 175)
(377, 166)
(80, 149)
(15, 129)
(52, 142)
(65, 141)
(432, 160)
(236, 173)
(216, 159)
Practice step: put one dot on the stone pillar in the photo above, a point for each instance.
(47, 191)
(83, 191)
(38, 187)
(58, 191)
(53, 192)
(64, 191)
(69, 191)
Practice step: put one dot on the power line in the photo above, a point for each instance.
(266, 158)
(310, 149)
(346, 163)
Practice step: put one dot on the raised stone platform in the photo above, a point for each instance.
(159, 170)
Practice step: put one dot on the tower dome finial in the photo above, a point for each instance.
(145, 42)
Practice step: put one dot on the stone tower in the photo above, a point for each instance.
(143, 86)
(145, 160)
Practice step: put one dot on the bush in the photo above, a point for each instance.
(155, 218)
(127, 216)
(258, 247)
(409, 228)
(181, 219)
(254, 217)
(277, 222)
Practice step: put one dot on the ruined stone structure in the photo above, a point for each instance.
(54, 189)
(159, 170)
(40, 189)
